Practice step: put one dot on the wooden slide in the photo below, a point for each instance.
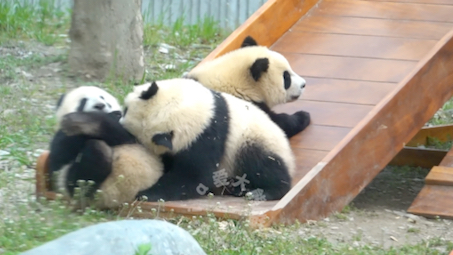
(376, 71)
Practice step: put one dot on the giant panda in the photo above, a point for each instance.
(209, 141)
(258, 75)
(102, 161)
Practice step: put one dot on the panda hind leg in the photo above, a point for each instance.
(262, 173)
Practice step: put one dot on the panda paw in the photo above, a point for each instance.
(303, 119)
(78, 123)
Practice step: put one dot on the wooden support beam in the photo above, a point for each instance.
(422, 157)
(411, 155)
(443, 133)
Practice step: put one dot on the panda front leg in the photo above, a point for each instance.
(291, 124)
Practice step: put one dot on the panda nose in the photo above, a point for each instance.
(99, 106)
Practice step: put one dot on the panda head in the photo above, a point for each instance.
(87, 99)
(253, 73)
(168, 115)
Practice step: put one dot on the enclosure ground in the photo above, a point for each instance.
(32, 76)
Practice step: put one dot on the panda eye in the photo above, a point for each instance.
(287, 79)
(101, 97)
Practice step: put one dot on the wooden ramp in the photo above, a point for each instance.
(376, 72)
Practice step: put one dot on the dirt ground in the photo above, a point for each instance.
(376, 217)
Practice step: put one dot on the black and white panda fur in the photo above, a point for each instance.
(79, 157)
(199, 132)
(259, 75)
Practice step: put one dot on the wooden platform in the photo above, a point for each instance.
(376, 71)
(436, 197)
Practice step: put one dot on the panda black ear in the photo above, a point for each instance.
(259, 67)
(163, 139)
(60, 100)
(248, 41)
(152, 90)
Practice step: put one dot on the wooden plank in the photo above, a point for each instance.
(439, 2)
(354, 45)
(426, 158)
(386, 10)
(443, 133)
(433, 201)
(306, 159)
(345, 91)
(319, 137)
(327, 113)
(42, 178)
(448, 160)
(371, 26)
(440, 175)
(361, 155)
(349, 68)
(263, 26)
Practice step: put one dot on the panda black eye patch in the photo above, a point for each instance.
(82, 104)
(287, 79)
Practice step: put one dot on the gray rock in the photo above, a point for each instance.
(123, 238)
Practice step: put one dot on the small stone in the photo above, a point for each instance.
(393, 238)
(27, 76)
(8, 112)
(4, 153)
(123, 237)
(170, 67)
(163, 50)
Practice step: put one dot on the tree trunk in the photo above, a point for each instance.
(107, 39)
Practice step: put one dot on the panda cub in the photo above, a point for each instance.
(79, 157)
(258, 75)
(63, 149)
(209, 141)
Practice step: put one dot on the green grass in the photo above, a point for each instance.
(444, 115)
(42, 21)
(27, 125)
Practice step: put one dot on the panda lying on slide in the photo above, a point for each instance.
(258, 75)
(208, 141)
(75, 158)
